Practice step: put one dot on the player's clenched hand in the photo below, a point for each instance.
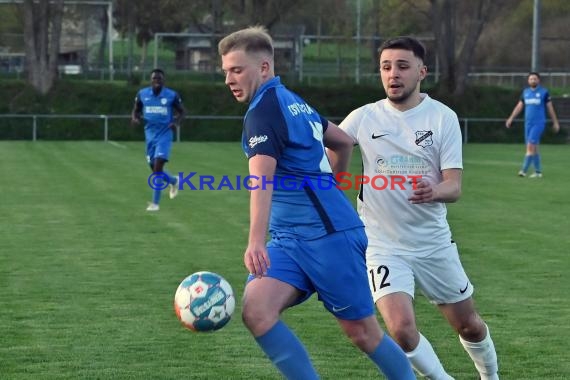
(422, 193)
(256, 259)
(135, 121)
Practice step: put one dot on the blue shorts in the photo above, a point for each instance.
(533, 133)
(333, 266)
(159, 147)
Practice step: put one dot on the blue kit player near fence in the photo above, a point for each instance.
(317, 240)
(162, 110)
(535, 100)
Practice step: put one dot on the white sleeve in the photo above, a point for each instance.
(451, 144)
(351, 124)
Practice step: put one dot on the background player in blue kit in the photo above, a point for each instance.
(535, 100)
(163, 111)
(317, 240)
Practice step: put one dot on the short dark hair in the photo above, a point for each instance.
(158, 71)
(534, 73)
(405, 43)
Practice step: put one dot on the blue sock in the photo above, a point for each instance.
(171, 179)
(287, 353)
(390, 358)
(537, 165)
(156, 192)
(526, 163)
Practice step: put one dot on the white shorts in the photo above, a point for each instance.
(440, 275)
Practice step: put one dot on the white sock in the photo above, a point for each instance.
(425, 361)
(484, 356)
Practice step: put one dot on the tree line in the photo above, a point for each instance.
(459, 27)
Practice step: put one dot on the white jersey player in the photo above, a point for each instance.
(409, 135)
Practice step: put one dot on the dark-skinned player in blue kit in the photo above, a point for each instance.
(162, 110)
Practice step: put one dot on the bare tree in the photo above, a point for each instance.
(144, 18)
(375, 43)
(103, 19)
(263, 12)
(42, 31)
(457, 27)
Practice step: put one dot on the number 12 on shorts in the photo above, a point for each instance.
(379, 277)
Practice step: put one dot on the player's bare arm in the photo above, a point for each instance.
(262, 170)
(137, 111)
(339, 148)
(447, 191)
(179, 114)
(516, 111)
(553, 117)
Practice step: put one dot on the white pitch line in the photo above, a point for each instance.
(490, 162)
(117, 145)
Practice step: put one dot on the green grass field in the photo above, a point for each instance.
(87, 277)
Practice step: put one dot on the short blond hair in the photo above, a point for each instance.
(254, 39)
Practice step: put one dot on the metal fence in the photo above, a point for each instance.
(473, 129)
(519, 79)
(310, 59)
(34, 122)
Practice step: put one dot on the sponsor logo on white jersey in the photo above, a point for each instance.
(380, 161)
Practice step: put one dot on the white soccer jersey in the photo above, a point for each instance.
(395, 146)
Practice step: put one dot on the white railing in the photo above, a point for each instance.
(34, 120)
(519, 79)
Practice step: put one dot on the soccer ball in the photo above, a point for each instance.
(204, 301)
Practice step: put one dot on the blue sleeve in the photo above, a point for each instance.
(265, 128)
(547, 97)
(138, 102)
(521, 98)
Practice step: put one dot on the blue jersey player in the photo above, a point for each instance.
(162, 111)
(535, 100)
(317, 242)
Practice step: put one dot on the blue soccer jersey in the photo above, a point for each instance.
(306, 203)
(157, 111)
(535, 101)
